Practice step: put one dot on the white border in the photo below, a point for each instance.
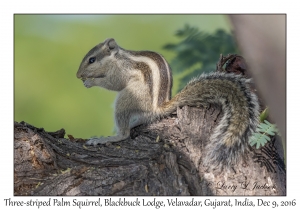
(8, 8)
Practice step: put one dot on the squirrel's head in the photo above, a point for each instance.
(100, 66)
(94, 62)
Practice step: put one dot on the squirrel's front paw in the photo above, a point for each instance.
(96, 140)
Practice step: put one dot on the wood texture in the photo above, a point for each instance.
(162, 158)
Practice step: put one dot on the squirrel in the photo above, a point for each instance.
(143, 80)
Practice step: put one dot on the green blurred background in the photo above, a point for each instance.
(49, 48)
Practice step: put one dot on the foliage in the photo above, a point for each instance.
(263, 132)
(198, 51)
(263, 116)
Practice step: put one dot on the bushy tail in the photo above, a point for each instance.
(229, 140)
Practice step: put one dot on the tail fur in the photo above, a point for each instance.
(229, 140)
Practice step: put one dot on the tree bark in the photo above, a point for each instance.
(162, 158)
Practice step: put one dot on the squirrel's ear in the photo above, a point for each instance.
(111, 44)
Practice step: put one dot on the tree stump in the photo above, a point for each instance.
(162, 158)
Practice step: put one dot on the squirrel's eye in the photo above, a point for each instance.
(92, 60)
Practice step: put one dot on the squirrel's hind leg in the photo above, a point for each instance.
(123, 131)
